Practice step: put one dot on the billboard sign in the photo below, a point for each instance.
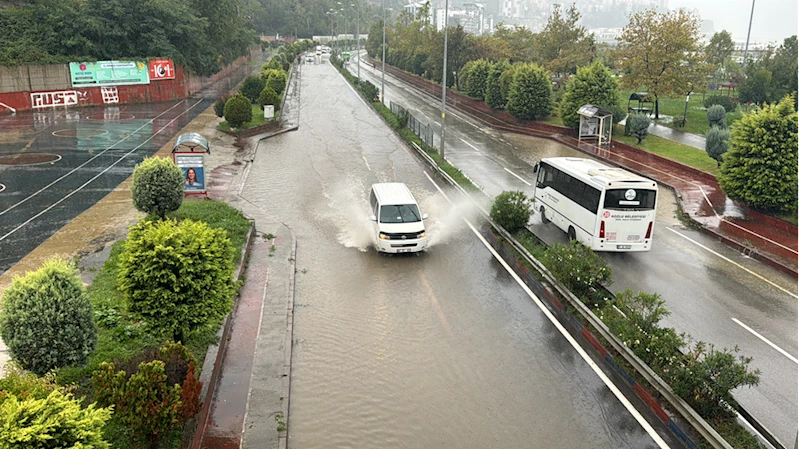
(108, 73)
(193, 167)
(162, 69)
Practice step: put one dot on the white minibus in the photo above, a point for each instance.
(605, 208)
(398, 224)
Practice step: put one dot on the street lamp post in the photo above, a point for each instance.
(358, 37)
(444, 84)
(746, 48)
(685, 113)
(383, 75)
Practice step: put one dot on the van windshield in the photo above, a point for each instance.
(401, 213)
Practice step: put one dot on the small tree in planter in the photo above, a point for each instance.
(269, 96)
(252, 87)
(716, 116)
(157, 186)
(637, 126)
(511, 210)
(716, 143)
(219, 106)
(238, 111)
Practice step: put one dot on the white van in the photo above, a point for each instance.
(398, 224)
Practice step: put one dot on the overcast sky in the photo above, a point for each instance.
(773, 19)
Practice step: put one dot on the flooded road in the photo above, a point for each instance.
(441, 349)
(714, 293)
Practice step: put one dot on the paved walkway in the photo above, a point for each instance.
(683, 137)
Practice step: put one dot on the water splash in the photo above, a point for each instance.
(447, 219)
(348, 210)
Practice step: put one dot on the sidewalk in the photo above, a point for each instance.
(762, 237)
(683, 137)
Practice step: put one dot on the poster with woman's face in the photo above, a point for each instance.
(193, 178)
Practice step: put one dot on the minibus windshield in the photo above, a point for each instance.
(401, 213)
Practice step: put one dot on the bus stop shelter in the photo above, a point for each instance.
(188, 153)
(595, 124)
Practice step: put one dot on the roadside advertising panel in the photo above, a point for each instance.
(162, 69)
(193, 166)
(108, 73)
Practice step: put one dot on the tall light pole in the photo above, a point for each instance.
(444, 83)
(746, 49)
(358, 36)
(383, 75)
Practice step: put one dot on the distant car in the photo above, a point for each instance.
(319, 52)
(309, 58)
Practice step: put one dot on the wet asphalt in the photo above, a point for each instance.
(441, 349)
(706, 284)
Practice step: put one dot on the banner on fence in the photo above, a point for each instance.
(108, 73)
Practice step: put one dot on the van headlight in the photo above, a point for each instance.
(421, 235)
(384, 237)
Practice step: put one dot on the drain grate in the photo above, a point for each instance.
(29, 159)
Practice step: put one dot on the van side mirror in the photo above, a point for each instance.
(535, 167)
(424, 216)
(373, 218)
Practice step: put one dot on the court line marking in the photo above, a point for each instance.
(766, 340)
(616, 392)
(732, 262)
(520, 178)
(93, 158)
(97, 175)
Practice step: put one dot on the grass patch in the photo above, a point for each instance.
(257, 120)
(697, 115)
(122, 336)
(675, 151)
(553, 120)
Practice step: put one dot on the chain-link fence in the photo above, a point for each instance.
(423, 131)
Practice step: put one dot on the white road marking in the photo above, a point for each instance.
(93, 158)
(520, 178)
(366, 162)
(96, 176)
(625, 402)
(767, 341)
(733, 262)
(467, 143)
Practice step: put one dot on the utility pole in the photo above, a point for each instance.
(358, 37)
(746, 49)
(383, 75)
(444, 84)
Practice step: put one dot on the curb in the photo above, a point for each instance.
(209, 377)
(284, 435)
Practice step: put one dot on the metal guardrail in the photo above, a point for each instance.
(677, 403)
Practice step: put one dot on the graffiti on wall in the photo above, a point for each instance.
(65, 98)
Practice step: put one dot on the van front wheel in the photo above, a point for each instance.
(572, 235)
(544, 218)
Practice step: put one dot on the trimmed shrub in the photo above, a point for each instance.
(252, 87)
(493, 92)
(55, 421)
(504, 83)
(177, 276)
(269, 96)
(46, 319)
(475, 84)
(716, 143)
(219, 105)
(274, 63)
(145, 402)
(25, 384)
(157, 186)
(760, 167)
(637, 126)
(716, 116)
(578, 268)
(369, 90)
(530, 94)
(592, 84)
(277, 81)
(722, 100)
(238, 111)
(511, 210)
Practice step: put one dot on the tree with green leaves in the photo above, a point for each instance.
(475, 85)
(493, 92)
(562, 45)
(661, 53)
(529, 96)
(771, 77)
(238, 111)
(593, 84)
(760, 166)
(520, 40)
(717, 142)
(157, 186)
(720, 48)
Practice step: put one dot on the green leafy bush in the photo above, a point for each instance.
(760, 167)
(252, 87)
(177, 276)
(277, 81)
(578, 268)
(269, 96)
(24, 384)
(493, 91)
(637, 126)
(145, 401)
(729, 103)
(474, 85)
(274, 63)
(618, 112)
(238, 111)
(368, 90)
(505, 81)
(529, 96)
(55, 421)
(219, 105)
(511, 210)
(592, 84)
(717, 142)
(716, 116)
(157, 186)
(46, 319)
